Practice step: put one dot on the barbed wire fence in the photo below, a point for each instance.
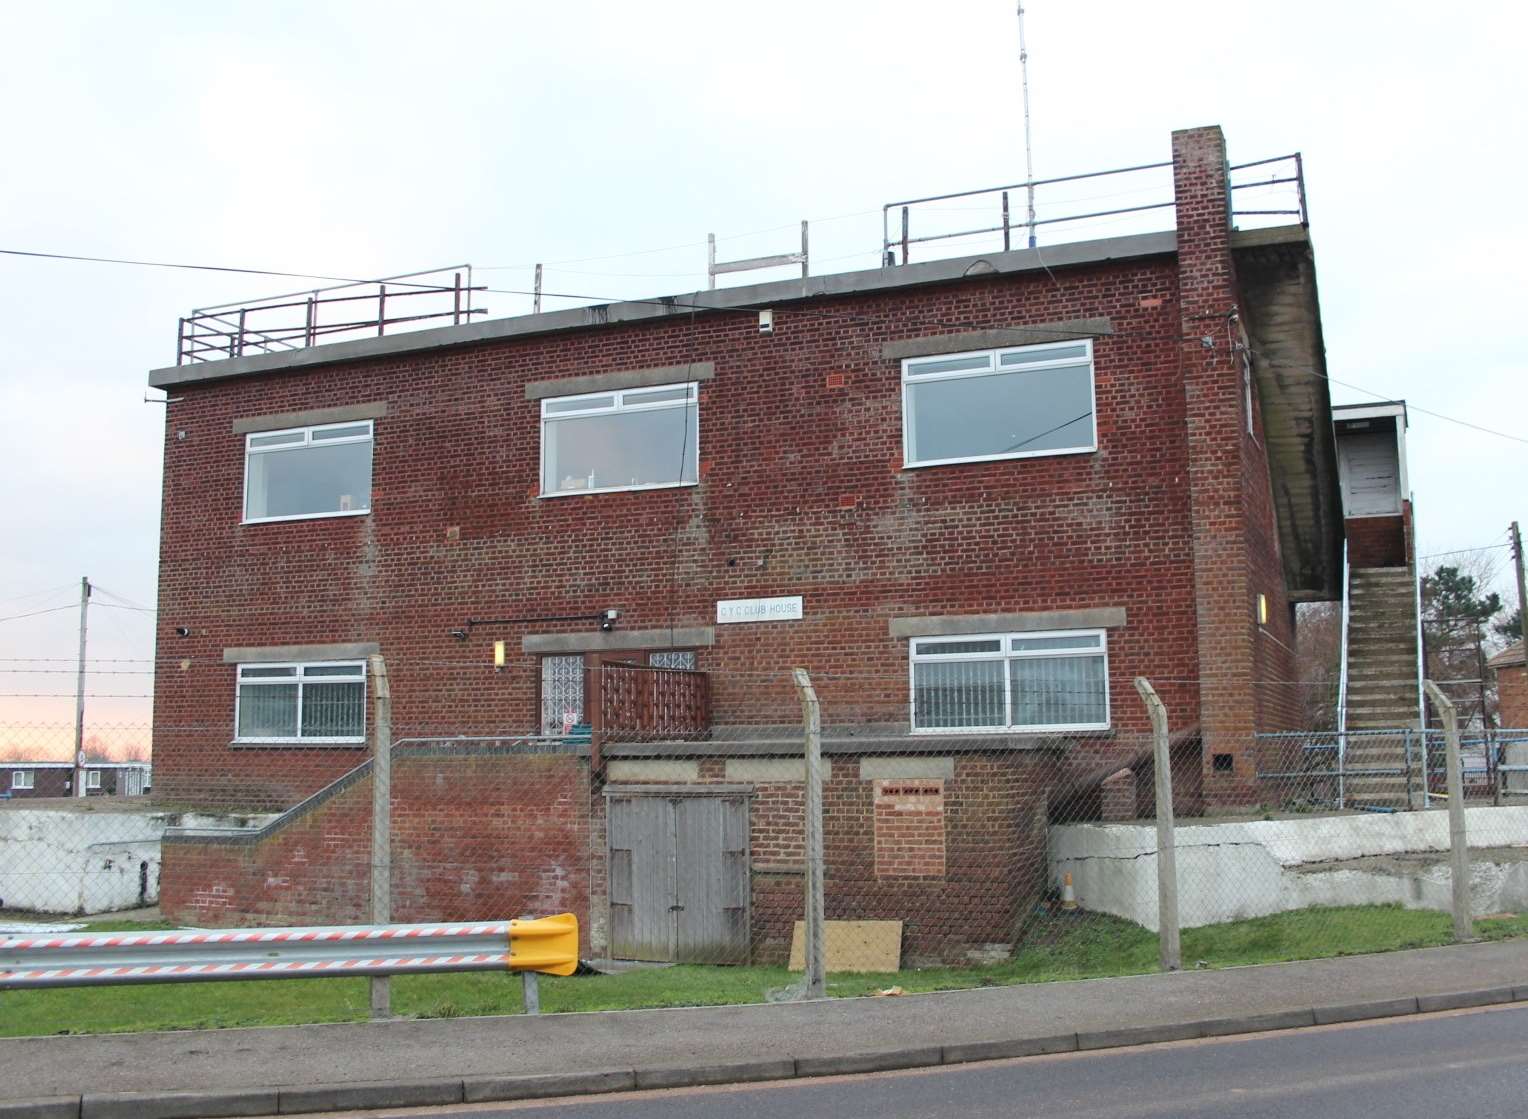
(672, 810)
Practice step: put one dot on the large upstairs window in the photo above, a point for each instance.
(632, 439)
(998, 404)
(307, 472)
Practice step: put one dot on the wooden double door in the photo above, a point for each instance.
(679, 885)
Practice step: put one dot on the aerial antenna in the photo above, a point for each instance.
(1029, 159)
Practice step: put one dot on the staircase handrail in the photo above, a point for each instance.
(1342, 678)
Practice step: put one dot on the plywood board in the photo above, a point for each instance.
(854, 946)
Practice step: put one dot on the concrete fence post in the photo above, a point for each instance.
(1458, 841)
(1170, 951)
(381, 821)
(815, 985)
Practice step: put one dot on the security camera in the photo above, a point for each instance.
(608, 619)
(182, 631)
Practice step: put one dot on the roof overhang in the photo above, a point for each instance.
(1276, 271)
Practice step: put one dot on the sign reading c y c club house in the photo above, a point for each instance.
(787, 609)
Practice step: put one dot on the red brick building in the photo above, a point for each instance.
(1511, 668)
(975, 497)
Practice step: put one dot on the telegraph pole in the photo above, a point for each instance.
(1522, 587)
(79, 695)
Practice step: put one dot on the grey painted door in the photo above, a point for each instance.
(679, 878)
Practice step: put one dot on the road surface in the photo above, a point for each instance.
(1438, 1066)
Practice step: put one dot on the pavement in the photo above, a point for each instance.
(289, 1069)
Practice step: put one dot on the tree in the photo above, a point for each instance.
(1456, 610)
(1510, 628)
(1318, 633)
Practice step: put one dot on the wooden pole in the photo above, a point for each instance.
(381, 821)
(79, 695)
(812, 931)
(1458, 841)
(1170, 951)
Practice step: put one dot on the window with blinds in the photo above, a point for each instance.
(1011, 682)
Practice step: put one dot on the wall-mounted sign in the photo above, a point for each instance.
(786, 609)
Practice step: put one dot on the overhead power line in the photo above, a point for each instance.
(35, 613)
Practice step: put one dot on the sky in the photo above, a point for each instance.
(607, 139)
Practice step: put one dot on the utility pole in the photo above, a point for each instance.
(1522, 586)
(79, 695)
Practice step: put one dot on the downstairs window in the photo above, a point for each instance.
(1011, 682)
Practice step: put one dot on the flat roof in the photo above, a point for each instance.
(746, 297)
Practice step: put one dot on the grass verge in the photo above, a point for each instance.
(1084, 946)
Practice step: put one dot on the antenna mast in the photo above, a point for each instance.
(1029, 160)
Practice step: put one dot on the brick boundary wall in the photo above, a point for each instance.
(477, 835)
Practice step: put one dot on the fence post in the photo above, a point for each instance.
(815, 986)
(1170, 951)
(1458, 842)
(381, 821)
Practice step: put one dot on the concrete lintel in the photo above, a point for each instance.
(676, 790)
(341, 414)
(1016, 335)
(652, 769)
(616, 641)
(949, 625)
(341, 651)
(907, 769)
(630, 379)
(744, 298)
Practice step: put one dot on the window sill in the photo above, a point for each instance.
(1067, 728)
(299, 743)
(1070, 452)
(617, 489)
(305, 517)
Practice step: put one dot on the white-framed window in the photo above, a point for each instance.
(306, 472)
(92, 779)
(632, 439)
(1011, 682)
(22, 779)
(1019, 402)
(323, 702)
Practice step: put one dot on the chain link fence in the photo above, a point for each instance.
(668, 808)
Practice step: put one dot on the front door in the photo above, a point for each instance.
(679, 878)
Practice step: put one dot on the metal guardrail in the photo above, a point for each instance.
(1287, 171)
(181, 956)
(296, 320)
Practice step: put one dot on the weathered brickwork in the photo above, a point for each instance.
(468, 844)
(1377, 541)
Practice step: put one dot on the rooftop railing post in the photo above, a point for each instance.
(180, 341)
(904, 234)
(312, 320)
(1006, 244)
(381, 309)
(456, 299)
(239, 342)
(1300, 186)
